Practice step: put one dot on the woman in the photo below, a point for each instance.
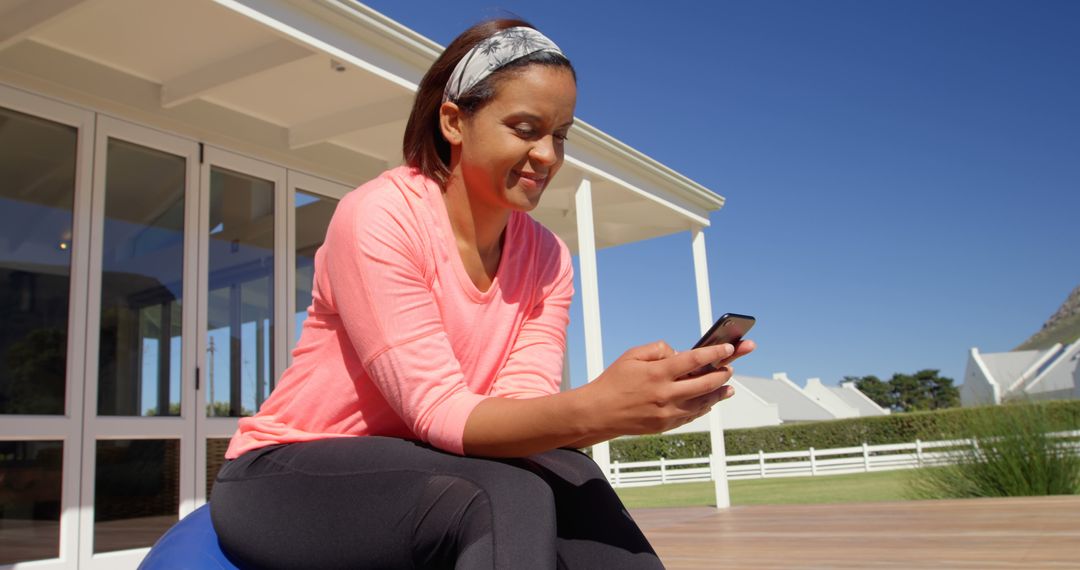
(421, 423)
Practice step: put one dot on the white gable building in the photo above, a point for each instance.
(760, 402)
(746, 409)
(795, 405)
(1048, 374)
(845, 400)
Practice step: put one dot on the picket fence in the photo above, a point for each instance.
(810, 462)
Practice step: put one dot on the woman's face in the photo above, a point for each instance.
(513, 146)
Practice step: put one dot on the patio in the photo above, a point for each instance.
(1024, 532)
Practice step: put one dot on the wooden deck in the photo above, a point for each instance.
(1025, 532)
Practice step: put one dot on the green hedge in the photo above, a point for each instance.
(877, 430)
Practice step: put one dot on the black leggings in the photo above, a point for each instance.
(378, 502)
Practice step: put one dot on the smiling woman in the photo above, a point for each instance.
(506, 153)
(517, 139)
(420, 423)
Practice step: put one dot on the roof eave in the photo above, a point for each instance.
(411, 46)
(633, 159)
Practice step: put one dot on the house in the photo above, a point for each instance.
(745, 409)
(761, 402)
(169, 169)
(845, 400)
(1045, 374)
(795, 405)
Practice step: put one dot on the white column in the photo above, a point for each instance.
(718, 457)
(590, 300)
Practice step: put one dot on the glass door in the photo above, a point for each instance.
(150, 293)
(45, 178)
(242, 313)
(311, 203)
(138, 437)
(261, 227)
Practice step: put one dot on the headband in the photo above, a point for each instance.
(492, 53)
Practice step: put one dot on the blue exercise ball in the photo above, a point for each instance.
(190, 544)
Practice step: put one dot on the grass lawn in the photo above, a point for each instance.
(858, 487)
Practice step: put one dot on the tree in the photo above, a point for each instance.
(911, 393)
(924, 390)
(945, 395)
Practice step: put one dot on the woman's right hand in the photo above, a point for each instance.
(646, 389)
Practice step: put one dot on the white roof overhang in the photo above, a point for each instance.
(261, 77)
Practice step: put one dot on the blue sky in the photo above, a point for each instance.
(902, 178)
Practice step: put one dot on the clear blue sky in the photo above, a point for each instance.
(902, 178)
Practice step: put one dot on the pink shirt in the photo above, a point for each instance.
(399, 341)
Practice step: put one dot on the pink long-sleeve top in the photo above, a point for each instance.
(399, 341)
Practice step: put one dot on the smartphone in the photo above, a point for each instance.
(729, 328)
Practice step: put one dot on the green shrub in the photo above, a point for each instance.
(1013, 456)
(877, 430)
(653, 447)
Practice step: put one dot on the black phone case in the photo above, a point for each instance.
(730, 327)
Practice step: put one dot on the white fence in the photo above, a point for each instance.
(864, 458)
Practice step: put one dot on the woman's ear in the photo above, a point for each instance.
(450, 122)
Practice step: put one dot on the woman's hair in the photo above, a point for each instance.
(424, 146)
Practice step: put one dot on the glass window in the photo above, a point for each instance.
(313, 214)
(37, 195)
(240, 323)
(136, 492)
(141, 282)
(30, 489)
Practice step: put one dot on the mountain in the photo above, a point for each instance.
(1063, 326)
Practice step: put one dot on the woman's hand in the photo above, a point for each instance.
(639, 393)
(646, 390)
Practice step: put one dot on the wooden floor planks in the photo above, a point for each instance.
(1025, 532)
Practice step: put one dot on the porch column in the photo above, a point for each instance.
(718, 457)
(590, 300)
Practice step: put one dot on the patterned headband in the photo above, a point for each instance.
(492, 53)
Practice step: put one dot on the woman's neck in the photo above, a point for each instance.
(478, 227)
